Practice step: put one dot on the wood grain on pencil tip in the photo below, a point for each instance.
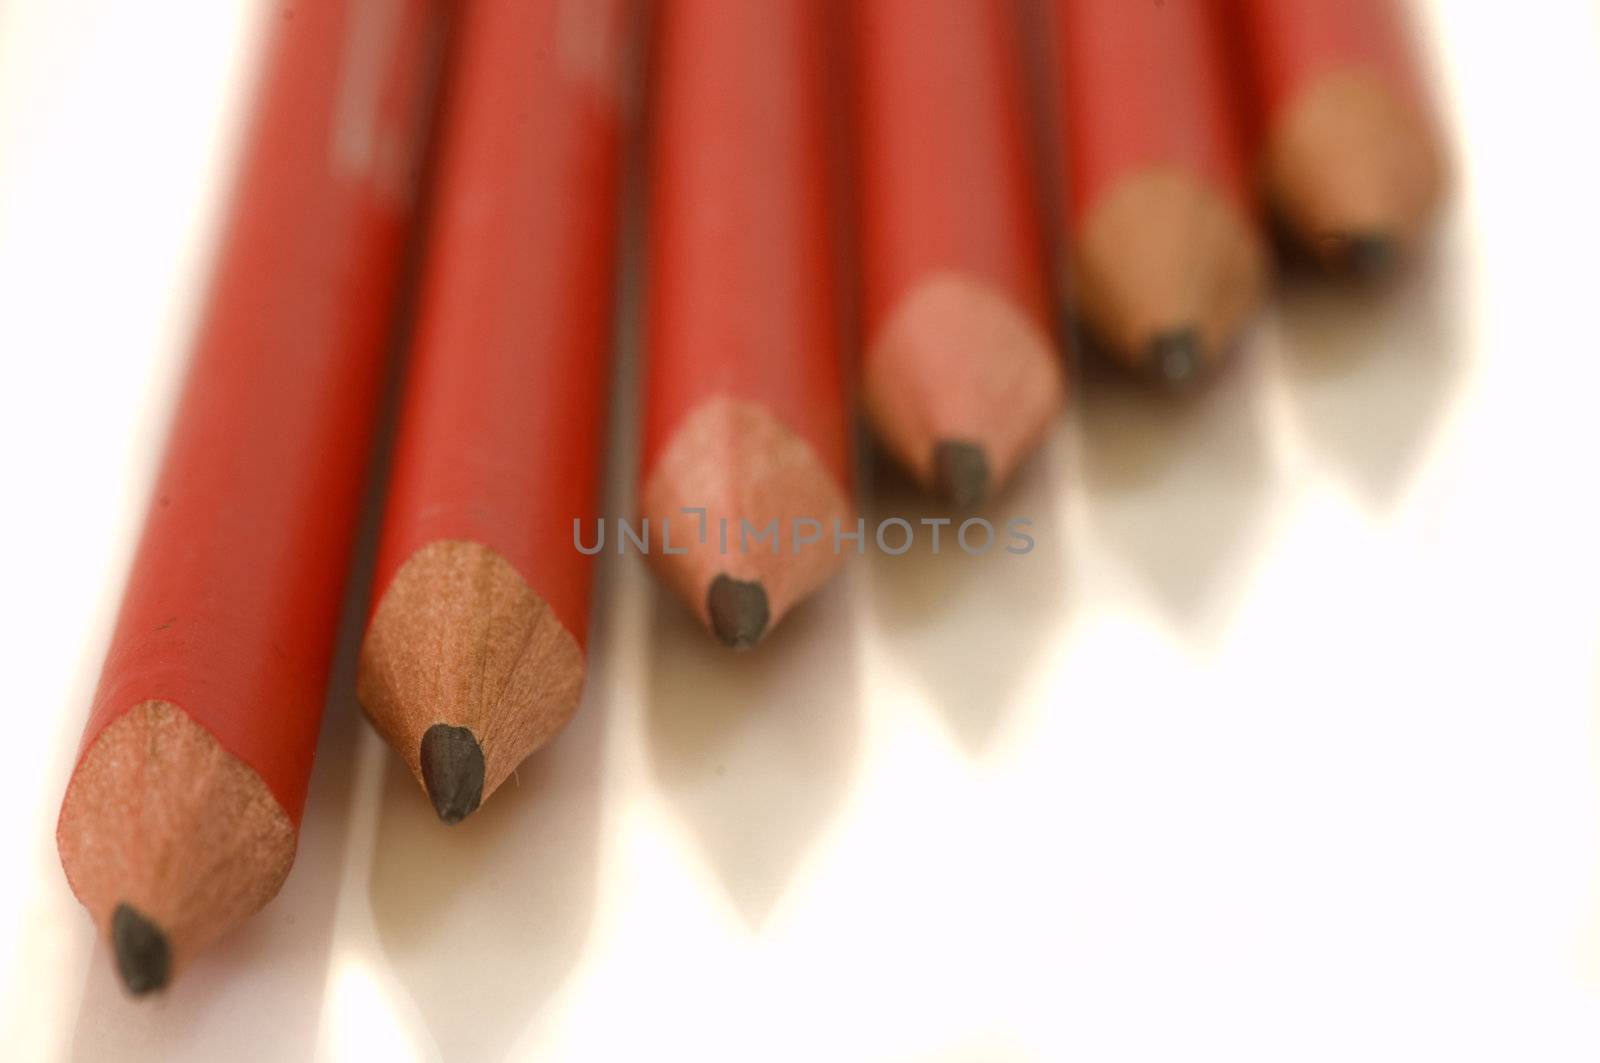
(756, 480)
(1166, 258)
(169, 839)
(465, 670)
(961, 381)
(960, 378)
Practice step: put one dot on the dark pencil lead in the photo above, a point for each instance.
(452, 771)
(1175, 356)
(1369, 255)
(738, 611)
(143, 958)
(961, 472)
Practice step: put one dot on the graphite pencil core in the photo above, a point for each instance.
(452, 771)
(738, 611)
(1369, 255)
(962, 472)
(1175, 356)
(143, 958)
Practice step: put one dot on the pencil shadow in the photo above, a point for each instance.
(1370, 369)
(755, 751)
(968, 626)
(482, 922)
(1174, 483)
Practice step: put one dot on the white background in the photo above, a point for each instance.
(1281, 745)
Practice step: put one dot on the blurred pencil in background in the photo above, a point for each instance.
(474, 655)
(744, 388)
(181, 815)
(960, 375)
(1349, 158)
(1166, 261)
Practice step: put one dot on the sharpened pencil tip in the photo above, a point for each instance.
(143, 959)
(1175, 356)
(961, 472)
(452, 771)
(1369, 255)
(738, 611)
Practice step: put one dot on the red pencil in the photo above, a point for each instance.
(1167, 262)
(474, 654)
(960, 378)
(181, 815)
(1349, 156)
(744, 400)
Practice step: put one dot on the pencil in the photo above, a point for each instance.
(1349, 157)
(1166, 259)
(744, 397)
(181, 814)
(474, 655)
(960, 376)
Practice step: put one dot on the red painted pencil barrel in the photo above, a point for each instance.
(499, 439)
(1296, 41)
(743, 284)
(1142, 84)
(948, 178)
(232, 603)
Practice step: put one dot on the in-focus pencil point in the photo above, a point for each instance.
(143, 958)
(738, 611)
(452, 771)
(1369, 255)
(1175, 356)
(961, 472)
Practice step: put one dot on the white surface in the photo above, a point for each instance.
(1282, 745)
